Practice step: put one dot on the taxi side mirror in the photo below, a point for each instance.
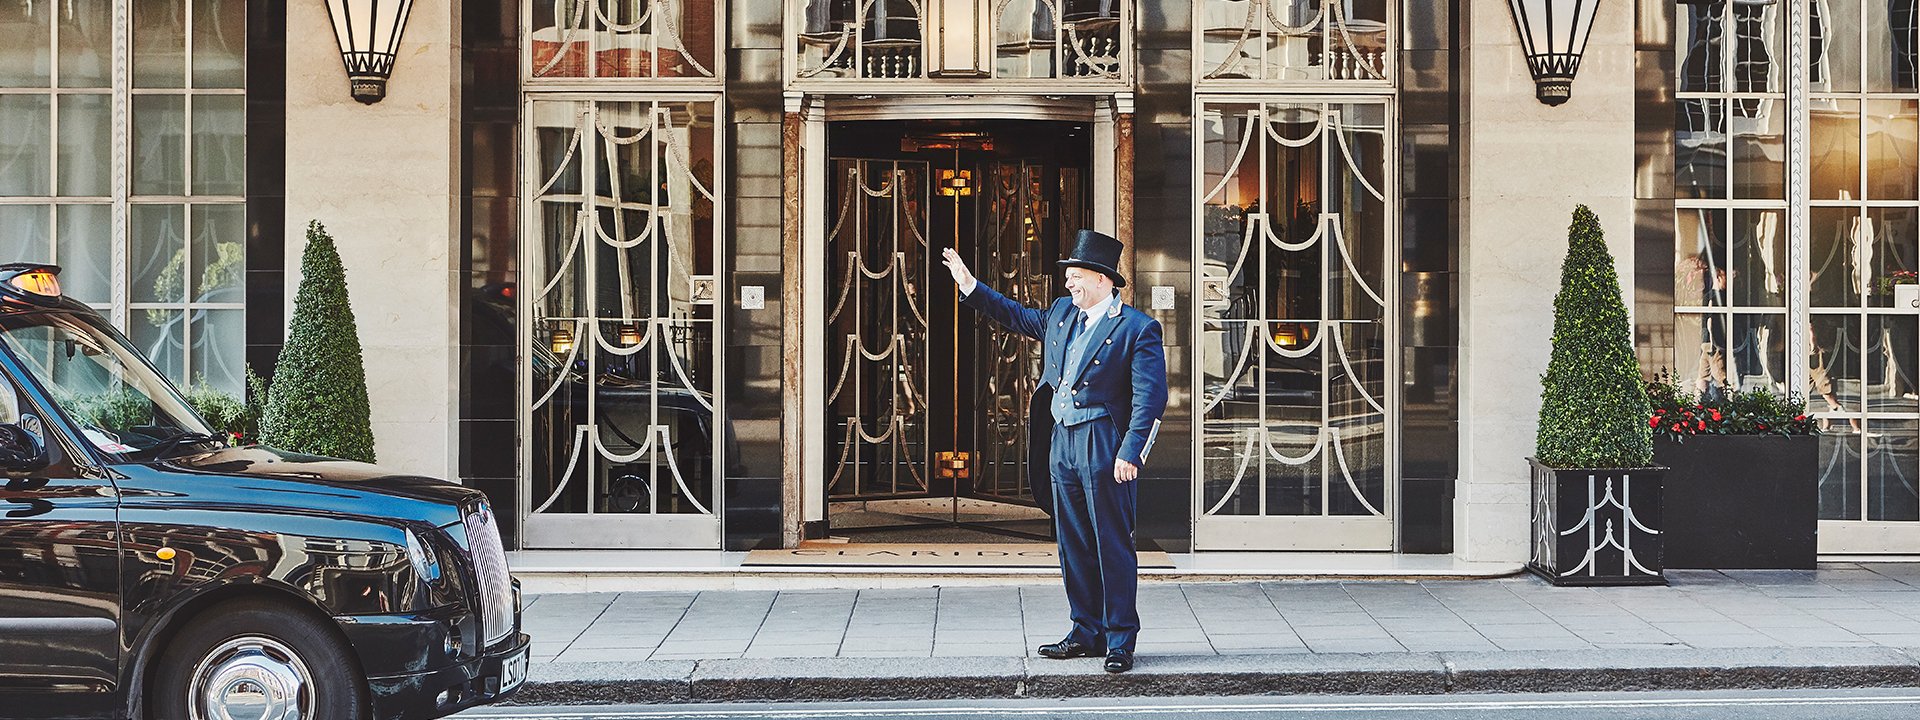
(20, 453)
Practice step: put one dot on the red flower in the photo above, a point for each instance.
(1653, 422)
(1762, 426)
(1701, 424)
(1800, 418)
(1716, 415)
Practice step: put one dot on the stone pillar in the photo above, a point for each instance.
(384, 179)
(792, 308)
(1525, 165)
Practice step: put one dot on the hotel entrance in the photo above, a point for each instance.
(925, 403)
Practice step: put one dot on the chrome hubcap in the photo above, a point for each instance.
(251, 678)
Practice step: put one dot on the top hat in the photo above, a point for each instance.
(1096, 251)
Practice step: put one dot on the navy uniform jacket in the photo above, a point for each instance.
(1125, 371)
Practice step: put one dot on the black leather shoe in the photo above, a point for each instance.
(1067, 649)
(1119, 661)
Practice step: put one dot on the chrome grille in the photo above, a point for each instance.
(490, 569)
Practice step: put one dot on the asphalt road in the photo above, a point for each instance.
(1871, 704)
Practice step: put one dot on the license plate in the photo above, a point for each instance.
(514, 671)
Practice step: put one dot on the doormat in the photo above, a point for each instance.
(981, 555)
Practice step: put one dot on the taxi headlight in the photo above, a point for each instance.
(431, 567)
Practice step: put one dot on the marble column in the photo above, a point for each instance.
(384, 179)
(1525, 165)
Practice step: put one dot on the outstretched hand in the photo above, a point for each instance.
(958, 267)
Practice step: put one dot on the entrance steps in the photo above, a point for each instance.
(575, 571)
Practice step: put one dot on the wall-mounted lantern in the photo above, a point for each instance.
(1553, 35)
(369, 34)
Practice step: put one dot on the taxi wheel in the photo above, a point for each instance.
(255, 659)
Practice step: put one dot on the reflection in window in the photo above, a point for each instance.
(1294, 274)
(172, 228)
(1294, 40)
(620, 289)
(623, 39)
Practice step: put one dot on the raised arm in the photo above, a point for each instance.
(1019, 318)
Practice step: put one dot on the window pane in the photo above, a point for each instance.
(219, 145)
(1835, 149)
(1890, 355)
(1759, 148)
(24, 57)
(1759, 258)
(1891, 126)
(1833, 47)
(1838, 265)
(160, 43)
(1893, 461)
(1889, 60)
(159, 147)
(23, 233)
(86, 44)
(1699, 350)
(220, 350)
(219, 253)
(25, 165)
(160, 335)
(219, 43)
(1699, 43)
(86, 145)
(1894, 248)
(1834, 362)
(86, 252)
(1757, 352)
(1700, 149)
(157, 254)
(1758, 52)
(1700, 252)
(1840, 470)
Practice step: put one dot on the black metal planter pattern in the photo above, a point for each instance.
(1741, 501)
(1597, 526)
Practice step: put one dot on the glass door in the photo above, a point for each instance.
(624, 447)
(1295, 325)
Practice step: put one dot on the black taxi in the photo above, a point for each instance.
(150, 569)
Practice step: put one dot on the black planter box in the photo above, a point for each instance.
(1742, 501)
(1597, 526)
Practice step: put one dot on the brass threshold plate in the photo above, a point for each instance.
(934, 555)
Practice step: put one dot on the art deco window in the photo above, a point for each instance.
(147, 219)
(1295, 40)
(619, 285)
(1730, 252)
(1863, 186)
(1295, 289)
(624, 39)
(1014, 39)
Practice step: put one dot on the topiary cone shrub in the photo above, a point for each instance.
(317, 403)
(1593, 406)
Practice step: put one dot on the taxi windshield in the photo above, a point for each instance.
(121, 404)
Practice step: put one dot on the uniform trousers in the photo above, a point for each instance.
(1093, 519)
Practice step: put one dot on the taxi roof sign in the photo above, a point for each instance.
(33, 282)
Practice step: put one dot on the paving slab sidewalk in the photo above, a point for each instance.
(1844, 625)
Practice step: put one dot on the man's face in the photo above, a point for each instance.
(1088, 287)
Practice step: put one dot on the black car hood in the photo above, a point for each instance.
(264, 462)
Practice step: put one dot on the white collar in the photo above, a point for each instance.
(1100, 309)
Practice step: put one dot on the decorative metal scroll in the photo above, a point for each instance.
(1016, 221)
(1032, 39)
(623, 39)
(1294, 309)
(1294, 40)
(621, 360)
(877, 331)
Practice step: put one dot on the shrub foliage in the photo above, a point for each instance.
(1593, 409)
(317, 403)
(1678, 415)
